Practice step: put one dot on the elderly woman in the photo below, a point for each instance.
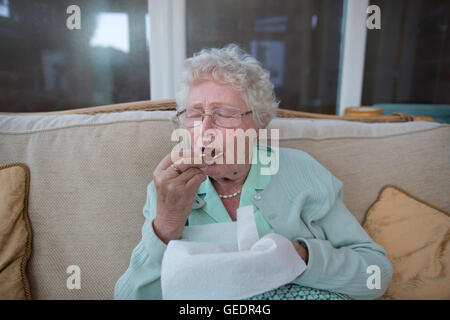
(226, 89)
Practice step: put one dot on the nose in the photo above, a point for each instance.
(207, 122)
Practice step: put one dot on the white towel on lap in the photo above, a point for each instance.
(207, 265)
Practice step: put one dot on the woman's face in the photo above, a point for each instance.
(207, 96)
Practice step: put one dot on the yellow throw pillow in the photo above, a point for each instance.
(15, 232)
(415, 236)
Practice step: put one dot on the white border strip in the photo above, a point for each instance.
(352, 54)
(167, 46)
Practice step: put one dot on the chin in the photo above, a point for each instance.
(211, 170)
(217, 169)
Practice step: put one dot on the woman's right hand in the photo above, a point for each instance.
(175, 196)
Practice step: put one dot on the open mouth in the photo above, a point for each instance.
(210, 155)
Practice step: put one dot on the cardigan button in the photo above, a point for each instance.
(257, 196)
(272, 216)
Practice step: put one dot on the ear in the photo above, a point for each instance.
(265, 119)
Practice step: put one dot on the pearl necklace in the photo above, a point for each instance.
(226, 196)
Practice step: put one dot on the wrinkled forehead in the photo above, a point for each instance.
(210, 93)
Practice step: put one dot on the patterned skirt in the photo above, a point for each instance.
(293, 291)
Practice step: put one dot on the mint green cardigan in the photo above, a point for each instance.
(302, 201)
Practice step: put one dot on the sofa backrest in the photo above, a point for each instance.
(89, 173)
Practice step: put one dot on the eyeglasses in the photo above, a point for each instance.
(226, 116)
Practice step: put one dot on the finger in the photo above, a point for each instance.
(187, 156)
(186, 163)
(196, 180)
(187, 175)
(172, 174)
(165, 163)
(182, 164)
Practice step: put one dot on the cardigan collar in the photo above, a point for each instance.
(254, 183)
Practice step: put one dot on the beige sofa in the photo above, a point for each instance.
(89, 172)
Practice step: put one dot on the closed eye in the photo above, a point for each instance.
(227, 113)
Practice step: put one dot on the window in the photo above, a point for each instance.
(316, 57)
(297, 41)
(44, 66)
(408, 60)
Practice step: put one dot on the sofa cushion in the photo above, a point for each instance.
(367, 156)
(88, 188)
(15, 232)
(416, 238)
(90, 174)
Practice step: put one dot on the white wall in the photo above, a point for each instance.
(352, 54)
(167, 46)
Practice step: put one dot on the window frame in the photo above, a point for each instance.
(168, 50)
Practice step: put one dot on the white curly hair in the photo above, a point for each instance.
(233, 66)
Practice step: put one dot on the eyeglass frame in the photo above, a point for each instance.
(240, 115)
